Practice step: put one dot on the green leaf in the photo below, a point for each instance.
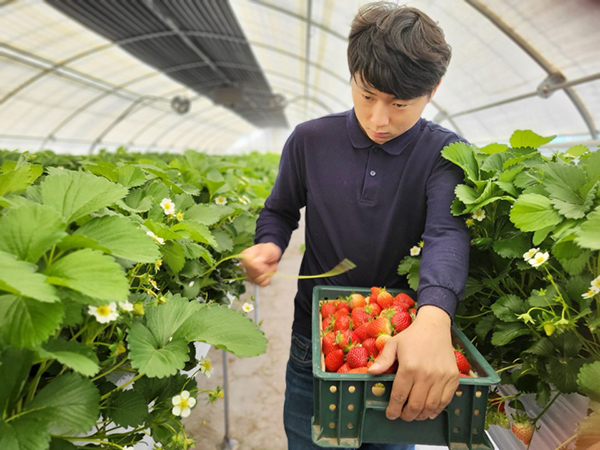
(130, 176)
(214, 180)
(208, 214)
(128, 409)
(591, 164)
(491, 149)
(24, 433)
(533, 212)
(462, 155)
(72, 354)
(541, 347)
(19, 179)
(563, 373)
(15, 365)
(564, 183)
(192, 250)
(161, 389)
(226, 329)
(78, 241)
(576, 150)
(588, 380)
(153, 359)
(122, 237)
(173, 255)
(574, 266)
(507, 332)
(527, 138)
(22, 235)
(508, 307)
(77, 194)
(91, 273)
(25, 322)
(161, 230)
(196, 231)
(164, 320)
(512, 247)
(588, 235)
(543, 392)
(61, 444)
(21, 278)
(70, 402)
(466, 194)
(224, 241)
(484, 325)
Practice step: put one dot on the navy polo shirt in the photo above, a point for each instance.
(369, 203)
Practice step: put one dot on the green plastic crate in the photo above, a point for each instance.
(349, 411)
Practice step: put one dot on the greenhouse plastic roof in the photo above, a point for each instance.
(76, 79)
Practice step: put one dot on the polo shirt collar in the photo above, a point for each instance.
(394, 147)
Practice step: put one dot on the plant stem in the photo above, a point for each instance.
(133, 380)
(539, 416)
(36, 380)
(475, 316)
(114, 367)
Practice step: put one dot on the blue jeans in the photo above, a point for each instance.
(298, 407)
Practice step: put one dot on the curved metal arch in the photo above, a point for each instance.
(539, 59)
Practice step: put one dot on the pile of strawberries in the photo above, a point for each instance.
(355, 329)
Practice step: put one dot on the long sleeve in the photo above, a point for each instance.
(281, 213)
(445, 257)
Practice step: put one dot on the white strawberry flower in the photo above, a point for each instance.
(206, 366)
(160, 240)
(247, 307)
(415, 251)
(182, 404)
(104, 313)
(168, 206)
(128, 447)
(530, 253)
(126, 306)
(589, 294)
(220, 200)
(539, 259)
(153, 283)
(595, 286)
(479, 215)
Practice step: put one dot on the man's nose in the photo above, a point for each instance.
(379, 115)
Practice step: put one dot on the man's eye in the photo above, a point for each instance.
(366, 97)
(400, 105)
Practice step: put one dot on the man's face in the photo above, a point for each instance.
(382, 116)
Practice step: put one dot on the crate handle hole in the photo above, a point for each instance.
(456, 430)
(378, 389)
(332, 407)
(459, 393)
(457, 412)
(478, 394)
(332, 425)
(350, 407)
(475, 431)
(351, 389)
(333, 389)
(350, 425)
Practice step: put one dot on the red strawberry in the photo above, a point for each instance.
(329, 343)
(461, 362)
(334, 360)
(359, 370)
(496, 403)
(327, 309)
(345, 338)
(345, 368)
(381, 325)
(373, 309)
(357, 357)
(413, 313)
(356, 300)
(361, 333)
(381, 340)
(404, 299)
(341, 312)
(341, 323)
(343, 304)
(401, 321)
(360, 317)
(523, 428)
(327, 324)
(370, 345)
(384, 299)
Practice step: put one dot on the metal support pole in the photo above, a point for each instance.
(256, 303)
(228, 442)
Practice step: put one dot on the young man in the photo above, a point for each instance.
(374, 184)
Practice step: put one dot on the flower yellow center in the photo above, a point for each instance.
(103, 311)
(206, 365)
(184, 403)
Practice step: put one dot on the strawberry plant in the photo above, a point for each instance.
(533, 291)
(111, 268)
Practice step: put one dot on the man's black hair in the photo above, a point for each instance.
(397, 49)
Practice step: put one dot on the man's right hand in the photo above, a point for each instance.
(260, 262)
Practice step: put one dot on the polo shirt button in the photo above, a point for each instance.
(373, 173)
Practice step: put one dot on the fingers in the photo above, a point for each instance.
(385, 359)
(401, 388)
(260, 262)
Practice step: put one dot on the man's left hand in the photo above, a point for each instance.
(427, 375)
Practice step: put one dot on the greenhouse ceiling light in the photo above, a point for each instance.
(180, 105)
